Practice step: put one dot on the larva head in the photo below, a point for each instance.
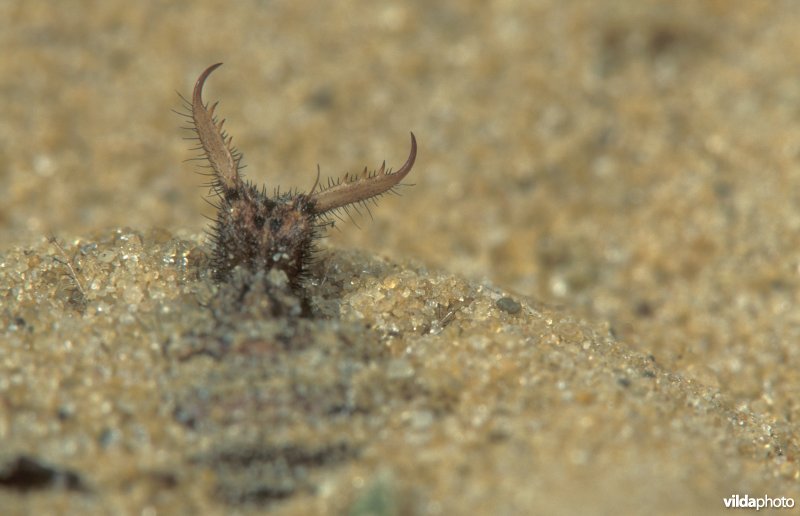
(257, 232)
(261, 233)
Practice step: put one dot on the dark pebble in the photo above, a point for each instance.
(508, 305)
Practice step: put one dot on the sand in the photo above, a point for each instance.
(585, 302)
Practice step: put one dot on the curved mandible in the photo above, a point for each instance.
(362, 188)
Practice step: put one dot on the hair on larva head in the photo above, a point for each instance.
(259, 232)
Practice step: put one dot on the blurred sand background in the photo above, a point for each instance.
(634, 163)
